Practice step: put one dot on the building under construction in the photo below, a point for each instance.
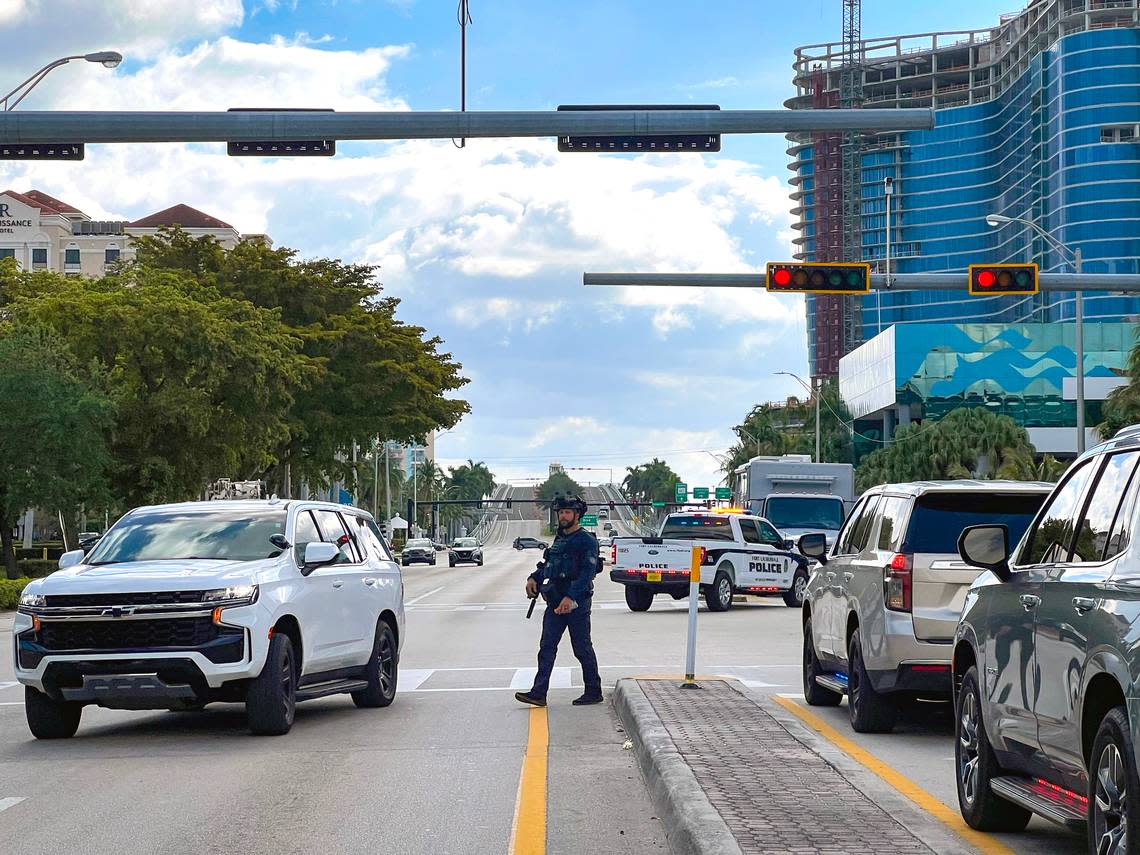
(1037, 116)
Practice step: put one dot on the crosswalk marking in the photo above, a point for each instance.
(8, 684)
(11, 801)
(410, 679)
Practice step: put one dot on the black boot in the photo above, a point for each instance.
(587, 699)
(527, 698)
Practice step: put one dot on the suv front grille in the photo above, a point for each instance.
(141, 598)
(129, 634)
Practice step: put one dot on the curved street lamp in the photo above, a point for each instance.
(997, 220)
(107, 58)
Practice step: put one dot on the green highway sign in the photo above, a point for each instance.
(590, 519)
(700, 492)
(681, 491)
(658, 504)
(723, 493)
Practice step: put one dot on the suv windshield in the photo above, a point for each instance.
(466, 542)
(418, 544)
(804, 512)
(684, 527)
(223, 534)
(938, 518)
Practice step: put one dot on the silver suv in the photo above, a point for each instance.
(881, 609)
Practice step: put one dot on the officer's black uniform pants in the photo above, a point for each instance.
(553, 625)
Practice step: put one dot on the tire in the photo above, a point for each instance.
(815, 694)
(1114, 811)
(480, 562)
(638, 597)
(432, 562)
(794, 598)
(451, 563)
(382, 671)
(975, 765)
(870, 711)
(272, 696)
(49, 718)
(718, 595)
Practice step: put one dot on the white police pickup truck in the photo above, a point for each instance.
(740, 553)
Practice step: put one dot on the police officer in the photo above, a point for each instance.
(565, 579)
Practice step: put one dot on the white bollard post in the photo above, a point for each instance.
(694, 597)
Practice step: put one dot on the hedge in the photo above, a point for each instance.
(10, 592)
(36, 568)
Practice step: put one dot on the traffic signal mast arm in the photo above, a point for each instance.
(899, 281)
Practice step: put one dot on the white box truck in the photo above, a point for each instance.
(796, 495)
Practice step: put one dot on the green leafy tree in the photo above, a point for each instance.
(969, 442)
(53, 437)
(203, 384)
(1122, 408)
(379, 376)
(654, 481)
(558, 484)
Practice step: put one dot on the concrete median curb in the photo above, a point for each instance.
(691, 822)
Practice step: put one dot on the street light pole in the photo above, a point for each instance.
(740, 429)
(815, 393)
(996, 220)
(108, 58)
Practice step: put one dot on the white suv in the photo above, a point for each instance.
(262, 602)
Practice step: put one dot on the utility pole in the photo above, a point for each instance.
(387, 486)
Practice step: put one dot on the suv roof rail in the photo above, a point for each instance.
(1129, 430)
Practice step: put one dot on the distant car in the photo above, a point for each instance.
(609, 526)
(418, 550)
(465, 550)
(605, 549)
(529, 543)
(603, 514)
(87, 539)
(439, 547)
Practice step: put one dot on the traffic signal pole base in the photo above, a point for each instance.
(690, 682)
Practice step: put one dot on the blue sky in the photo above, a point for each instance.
(486, 246)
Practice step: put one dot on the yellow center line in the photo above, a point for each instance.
(528, 832)
(952, 819)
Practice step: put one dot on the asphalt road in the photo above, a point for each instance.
(438, 771)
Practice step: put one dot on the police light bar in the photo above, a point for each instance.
(987, 279)
(819, 277)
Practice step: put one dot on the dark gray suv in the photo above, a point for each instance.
(1046, 660)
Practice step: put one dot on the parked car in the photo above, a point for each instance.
(261, 602)
(882, 607)
(465, 550)
(1046, 663)
(529, 543)
(417, 550)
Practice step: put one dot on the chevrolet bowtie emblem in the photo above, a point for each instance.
(117, 611)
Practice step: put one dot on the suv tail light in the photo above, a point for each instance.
(613, 554)
(706, 558)
(897, 583)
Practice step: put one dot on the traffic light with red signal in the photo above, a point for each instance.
(812, 277)
(612, 505)
(986, 279)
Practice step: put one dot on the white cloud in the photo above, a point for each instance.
(568, 427)
(139, 29)
(506, 312)
(717, 83)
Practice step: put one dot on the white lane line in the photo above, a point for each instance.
(411, 679)
(560, 679)
(523, 679)
(11, 801)
(11, 704)
(471, 608)
(422, 596)
(9, 684)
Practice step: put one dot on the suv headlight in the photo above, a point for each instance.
(32, 600)
(234, 595)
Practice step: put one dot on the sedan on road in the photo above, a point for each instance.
(418, 550)
(529, 543)
(465, 550)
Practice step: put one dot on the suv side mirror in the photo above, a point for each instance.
(318, 553)
(986, 547)
(814, 546)
(70, 559)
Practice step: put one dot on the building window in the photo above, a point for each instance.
(71, 256)
(39, 257)
(7, 253)
(1120, 133)
(110, 255)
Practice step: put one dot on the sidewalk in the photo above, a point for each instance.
(732, 772)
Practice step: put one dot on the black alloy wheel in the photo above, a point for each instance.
(975, 765)
(271, 698)
(815, 694)
(870, 711)
(1113, 788)
(382, 671)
